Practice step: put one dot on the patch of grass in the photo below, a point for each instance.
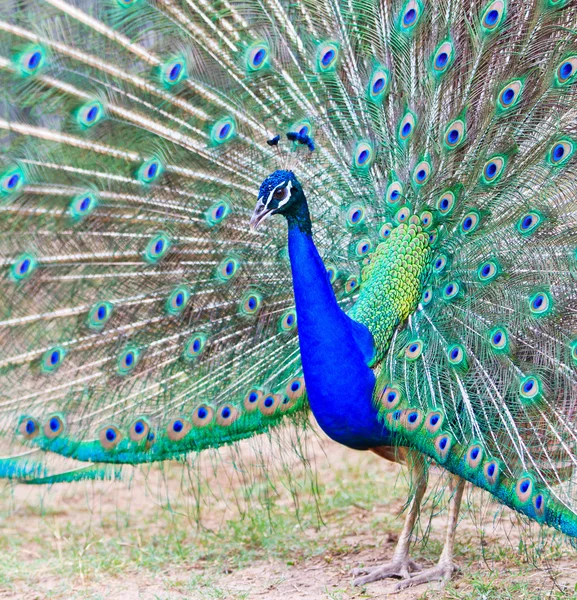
(105, 541)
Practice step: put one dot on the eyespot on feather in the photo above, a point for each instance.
(173, 72)
(474, 456)
(28, 427)
(451, 291)
(509, 95)
(295, 388)
(434, 421)
(203, 416)
(363, 247)
(83, 205)
(529, 222)
(331, 272)
(561, 152)
(288, 321)
(223, 131)
(139, 430)
(54, 426)
(492, 472)
(217, 213)
(409, 16)
(31, 61)
(385, 231)
(269, 403)
(250, 303)
(493, 15)
(227, 415)
(407, 127)
(178, 429)
(109, 437)
(470, 222)
(413, 350)
(454, 134)
(442, 58)
(439, 264)
(194, 346)
(252, 399)
(177, 301)
(393, 419)
(457, 356)
(422, 172)
(127, 360)
(23, 267)
(351, 285)
(446, 203)
(402, 215)
(427, 295)
(52, 359)
(355, 215)
(89, 114)
(157, 248)
(411, 419)
(539, 504)
(286, 403)
(442, 445)
(257, 57)
(426, 218)
(394, 193)
(150, 171)
(524, 489)
(378, 84)
(363, 155)
(390, 397)
(488, 271)
(530, 389)
(492, 170)
(499, 339)
(11, 181)
(228, 268)
(327, 57)
(540, 304)
(150, 440)
(565, 72)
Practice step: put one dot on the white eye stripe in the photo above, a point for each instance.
(286, 197)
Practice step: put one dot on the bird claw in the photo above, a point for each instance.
(441, 572)
(400, 568)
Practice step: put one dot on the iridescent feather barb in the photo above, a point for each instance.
(142, 320)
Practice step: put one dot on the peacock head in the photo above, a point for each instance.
(279, 194)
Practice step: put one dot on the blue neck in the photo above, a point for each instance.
(335, 350)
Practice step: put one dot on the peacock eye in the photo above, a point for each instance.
(279, 194)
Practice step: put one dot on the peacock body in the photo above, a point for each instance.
(430, 153)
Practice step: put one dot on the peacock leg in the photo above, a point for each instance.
(401, 564)
(444, 569)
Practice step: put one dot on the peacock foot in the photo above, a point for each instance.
(443, 571)
(398, 567)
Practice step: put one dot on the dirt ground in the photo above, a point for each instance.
(144, 538)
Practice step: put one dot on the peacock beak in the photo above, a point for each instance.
(260, 214)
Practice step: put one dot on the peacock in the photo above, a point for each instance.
(423, 304)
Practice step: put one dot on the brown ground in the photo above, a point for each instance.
(140, 540)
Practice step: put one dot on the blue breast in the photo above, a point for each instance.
(335, 351)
